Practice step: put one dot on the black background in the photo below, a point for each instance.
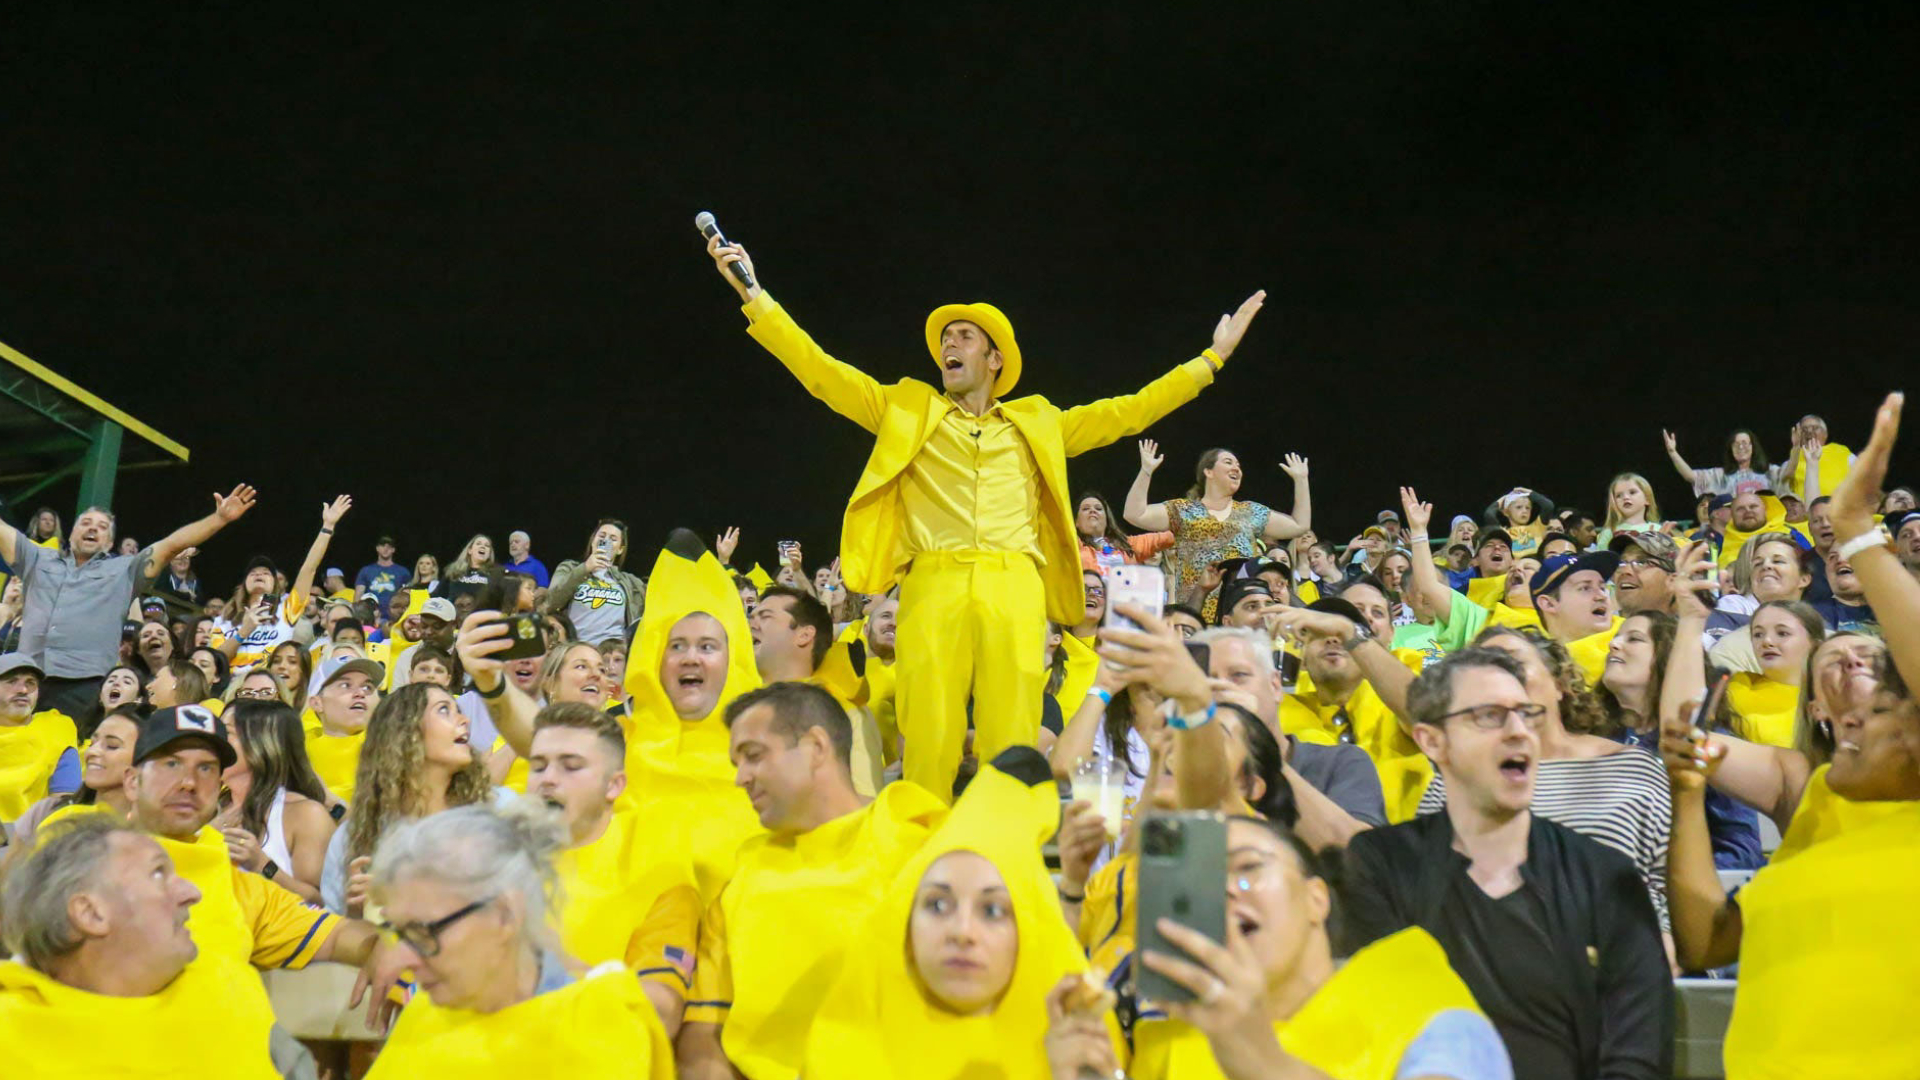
(445, 262)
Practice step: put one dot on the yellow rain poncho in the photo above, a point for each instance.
(602, 1025)
(207, 1023)
(28, 754)
(1827, 960)
(878, 1021)
(678, 771)
(630, 896)
(1764, 710)
(1357, 1026)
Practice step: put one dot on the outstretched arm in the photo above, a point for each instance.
(1893, 592)
(1097, 423)
(1673, 454)
(1286, 527)
(330, 515)
(846, 389)
(1425, 575)
(227, 509)
(1138, 512)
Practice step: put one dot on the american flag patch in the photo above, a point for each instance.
(682, 961)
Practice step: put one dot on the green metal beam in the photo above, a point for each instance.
(97, 469)
(18, 498)
(43, 400)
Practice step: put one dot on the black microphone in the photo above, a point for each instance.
(711, 230)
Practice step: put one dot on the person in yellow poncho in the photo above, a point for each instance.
(793, 641)
(106, 983)
(349, 692)
(1766, 706)
(965, 501)
(33, 744)
(1828, 462)
(1269, 1002)
(962, 951)
(793, 913)
(465, 893)
(1754, 513)
(628, 882)
(691, 656)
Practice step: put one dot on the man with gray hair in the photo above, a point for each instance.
(76, 599)
(98, 916)
(520, 548)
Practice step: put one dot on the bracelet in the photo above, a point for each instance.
(498, 689)
(324, 531)
(1105, 696)
(1069, 897)
(1878, 536)
(1189, 723)
(1213, 359)
(1418, 538)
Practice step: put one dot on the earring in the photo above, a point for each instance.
(1826, 730)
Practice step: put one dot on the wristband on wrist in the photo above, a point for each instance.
(1878, 536)
(1213, 358)
(498, 689)
(1418, 538)
(1070, 897)
(325, 531)
(1106, 697)
(1188, 723)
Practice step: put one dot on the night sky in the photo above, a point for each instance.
(446, 263)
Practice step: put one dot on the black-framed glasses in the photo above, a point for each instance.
(1494, 717)
(265, 693)
(424, 938)
(1646, 564)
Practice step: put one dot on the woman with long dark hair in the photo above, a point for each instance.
(1103, 543)
(1210, 524)
(1743, 466)
(278, 824)
(595, 592)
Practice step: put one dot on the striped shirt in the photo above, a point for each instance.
(1621, 800)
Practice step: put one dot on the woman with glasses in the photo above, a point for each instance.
(1605, 790)
(469, 895)
(277, 824)
(259, 685)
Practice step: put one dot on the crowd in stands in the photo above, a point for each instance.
(1483, 789)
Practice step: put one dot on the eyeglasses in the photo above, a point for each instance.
(1646, 564)
(1494, 717)
(424, 938)
(262, 694)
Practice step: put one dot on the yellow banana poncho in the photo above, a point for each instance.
(1826, 959)
(1764, 710)
(601, 1026)
(678, 770)
(28, 754)
(878, 1021)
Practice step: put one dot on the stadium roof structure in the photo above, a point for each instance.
(52, 429)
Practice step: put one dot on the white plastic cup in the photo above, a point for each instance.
(1102, 784)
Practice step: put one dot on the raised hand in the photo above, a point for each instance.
(1294, 466)
(1150, 457)
(1691, 590)
(331, 513)
(1853, 501)
(1673, 445)
(725, 545)
(723, 257)
(232, 506)
(1419, 514)
(1231, 328)
(1689, 754)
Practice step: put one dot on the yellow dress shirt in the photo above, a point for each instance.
(973, 487)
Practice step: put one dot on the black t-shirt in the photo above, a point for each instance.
(1501, 950)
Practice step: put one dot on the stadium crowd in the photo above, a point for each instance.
(1482, 788)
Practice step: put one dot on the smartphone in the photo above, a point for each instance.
(786, 549)
(523, 631)
(604, 546)
(1183, 877)
(1288, 665)
(1143, 587)
(1703, 716)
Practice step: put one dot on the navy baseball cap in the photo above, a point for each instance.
(1556, 570)
(166, 728)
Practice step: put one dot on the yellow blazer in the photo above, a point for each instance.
(873, 552)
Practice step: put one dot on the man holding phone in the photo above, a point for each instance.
(965, 502)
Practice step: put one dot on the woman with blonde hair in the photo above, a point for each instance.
(415, 761)
(469, 573)
(1631, 507)
(292, 664)
(426, 575)
(259, 685)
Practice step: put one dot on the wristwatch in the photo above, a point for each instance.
(1362, 634)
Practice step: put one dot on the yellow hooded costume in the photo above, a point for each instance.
(878, 1021)
(678, 771)
(602, 1025)
(28, 754)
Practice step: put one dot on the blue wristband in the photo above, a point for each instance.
(1101, 693)
(1188, 723)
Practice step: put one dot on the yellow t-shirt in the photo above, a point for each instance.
(1514, 617)
(1764, 710)
(600, 1026)
(973, 486)
(1823, 815)
(771, 945)
(630, 896)
(243, 918)
(1357, 1026)
(336, 758)
(1826, 965)
(208, 1023)
(1487, 591)
(28, 754)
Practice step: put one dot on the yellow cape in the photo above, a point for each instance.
(683, 766)
(878, 1021)
(28, 754)
(1834, 467)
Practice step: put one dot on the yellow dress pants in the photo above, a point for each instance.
(972, 624)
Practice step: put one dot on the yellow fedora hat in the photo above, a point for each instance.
(988, 318)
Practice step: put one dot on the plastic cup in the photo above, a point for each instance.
(1102, 783)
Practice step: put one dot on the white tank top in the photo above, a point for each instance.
(274, 845)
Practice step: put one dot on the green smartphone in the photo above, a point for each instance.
(1183, 877)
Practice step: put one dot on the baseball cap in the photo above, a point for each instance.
(19, 661)
(152, 603)
(1719, 502)
(346, 665)
(440, 608)
(1239, 589)
(1487, 536)
(182, 723)
(257, 562)
(1556, 570)
(1278, 566)
(1451, 548)
(1386, 515)
(1896, 522)
(333, 571)
(385, 538)
(1457, 519)
(1655, 545)
(1333, 605)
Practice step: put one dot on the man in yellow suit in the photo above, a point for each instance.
(964, 501)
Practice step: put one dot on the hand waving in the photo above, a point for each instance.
(1150, 457)
(331, 513)
(726, 543)
(1227, 335)
(1854, 499)
(1419, 514)
(235, 504)
(1294, 466)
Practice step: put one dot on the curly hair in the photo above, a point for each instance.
(1580, 711)
(387, 786)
